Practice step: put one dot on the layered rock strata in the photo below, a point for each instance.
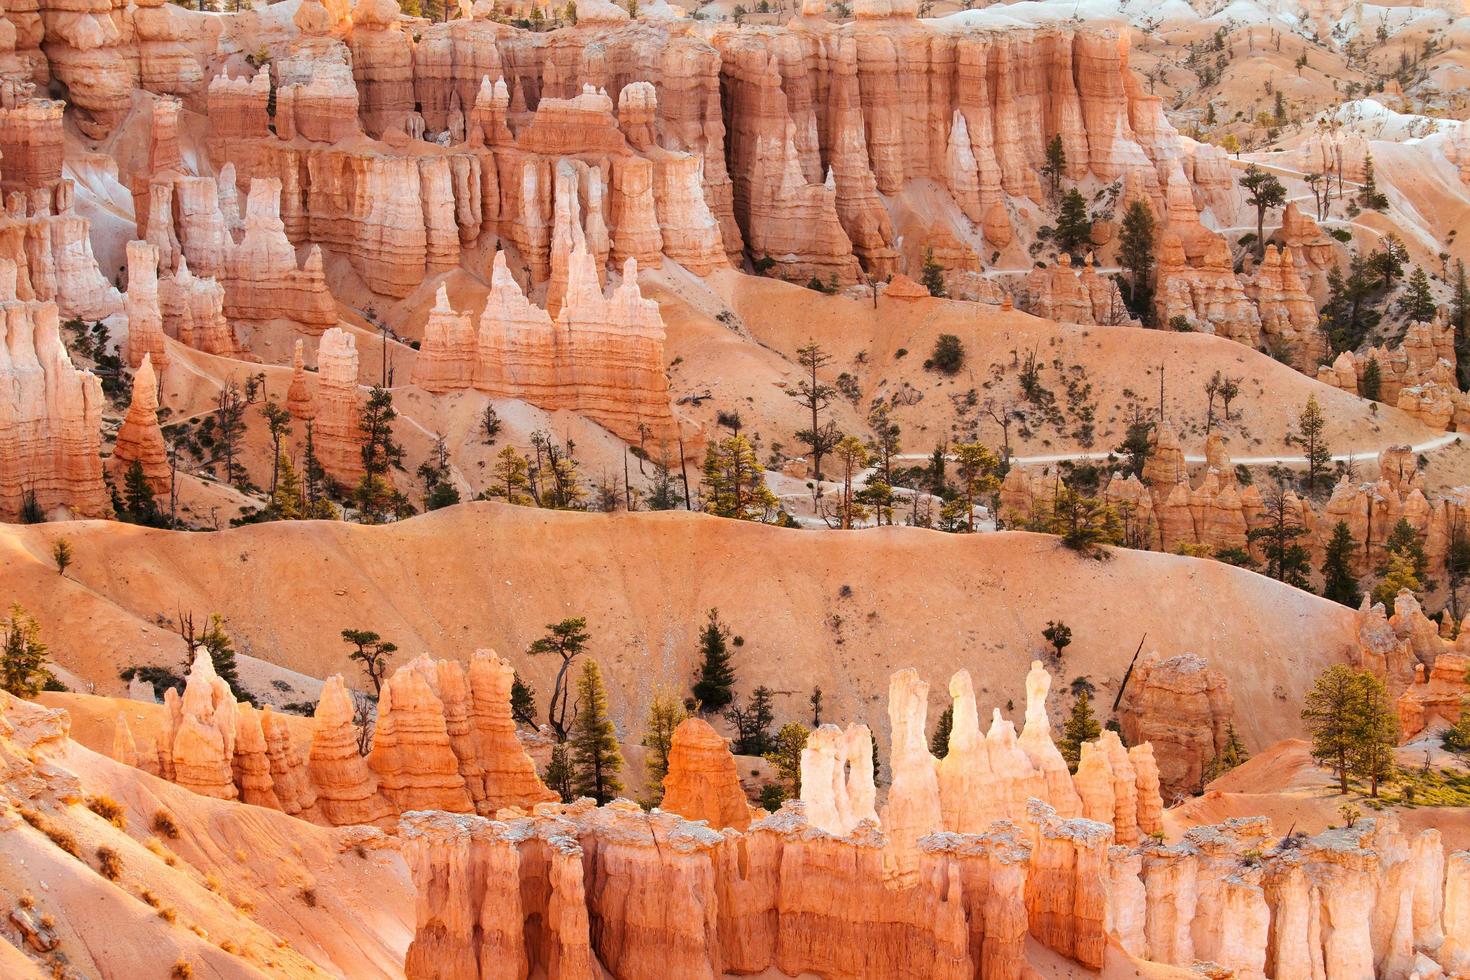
(601, 357)
(444, 739)
(140, 437)
(50, 414)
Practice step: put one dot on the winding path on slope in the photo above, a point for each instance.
(1440, 442)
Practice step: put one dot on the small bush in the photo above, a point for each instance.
(149, 898)
(164, 824)
(167, 914)
(56, 835)
(108, 809)
(948, 356)
(1341, 234)
(182, 969)
(109, 863)
(308, 895)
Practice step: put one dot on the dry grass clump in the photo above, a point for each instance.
(149, 898)
(109, 863)
(165, 825)
(164, 854)
(167, 914)
(182, 970)
(108, 809)
(55, 834)
(308, 895)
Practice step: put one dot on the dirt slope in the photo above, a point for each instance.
(839, 610)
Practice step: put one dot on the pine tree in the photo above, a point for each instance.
(138, 500)
(1286, 561)
(714, 682)
(785, 756)
(381, 453)
(814, 395)
(1376, 734)
(939, 742)
(665, 713)
(522, 701)
(1372, 383)
(558, 773)
(734, 482)
(752, 723)
(61, 553)
(1136, 256)
(1264, 192)
(568, 640)
(1059, 635)
(23, 671)
(222, 655)
(1081, 727)
(1404, 540)
(318, 486)
(511, 480)
(1231, 754)
(278, 424)
(595, 759)
(1338, 581)
(932, 275)
(1056, 163)
(1369, 196)
(1417, 302)
(372, 653)
(287, 500)
(1074, 227)
(1330, 716)
(1398, 576)
(1310, 427)
(1460, 320)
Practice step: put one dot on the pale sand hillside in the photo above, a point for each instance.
(1282, 782)
(246, 892)
(837, 609)
(1120, 364)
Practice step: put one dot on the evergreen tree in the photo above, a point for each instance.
(317, 486)
(1398, 576)
(1460, 320)
(23, 670)
(734, 482)
(785, 756)
(1263, 192)
(1059, 635)
(932, 275)
(595, 759)
(381, 453)
(1404, 540)
(663, 491)
(664, 715)
(1369, 196)
(1372, 383)
(221, 654)
(1136, 256)
(138, 503)
(1310, 428)
(939, 742)
(1286, 561)
(372, 652)
(511, 478)
(1351, 723)
(1350, 311)
(1338, 581)
(61, 553)
(752, 723)
(568, 640)
(1231, 754)
(1056, 163)
(278, 424)
(439, 488)
(558, 773)
(1081, 726)
(287, 500)
(1137, 446)
(814, 395)
(1074, 227)
(1377, 734)
(522, 702)
(714, 681)
(1417, 302)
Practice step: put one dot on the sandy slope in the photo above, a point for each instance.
(839, 610)
(1120, 364)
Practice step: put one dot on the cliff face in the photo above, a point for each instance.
(50, 414)
(602, 357)
(647, 895)
(444, 739)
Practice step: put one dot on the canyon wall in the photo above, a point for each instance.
(444, 739)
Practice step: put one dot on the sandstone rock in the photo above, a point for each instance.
(140, 438)
(262, 280)
(345, 787)
(145, 320)
(837, 788)
(913, 806)
(338, 439)
(299, 396)
(411, 755)
(447, 354)
(1181, 706)
(702, 783)
(201, 739)
(50, 415)
(509, 776)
